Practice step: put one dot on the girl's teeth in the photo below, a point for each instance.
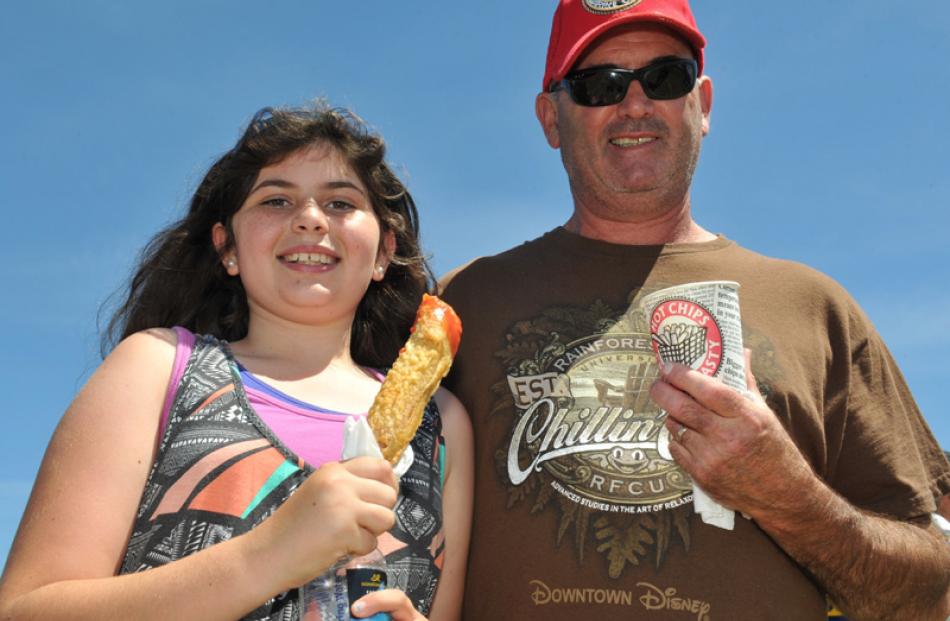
(308, 258)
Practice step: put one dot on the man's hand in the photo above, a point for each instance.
(732, 444)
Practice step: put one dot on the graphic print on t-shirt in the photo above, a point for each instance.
(587, 440)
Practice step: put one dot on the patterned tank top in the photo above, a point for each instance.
(220, 471)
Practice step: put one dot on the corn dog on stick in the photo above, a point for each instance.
(422, 363)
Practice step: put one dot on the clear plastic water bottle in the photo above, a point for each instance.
(330, 596)
(362, 575)
(319, 597)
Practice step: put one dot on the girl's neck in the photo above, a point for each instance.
(283, 349)
(310, 363)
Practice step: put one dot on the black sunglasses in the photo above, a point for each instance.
(605, 86)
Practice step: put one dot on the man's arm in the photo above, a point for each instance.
(874, 567)
(736, 449)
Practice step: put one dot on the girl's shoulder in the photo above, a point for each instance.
(142, 362)
(149, 349)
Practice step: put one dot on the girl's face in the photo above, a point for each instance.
(306, 240)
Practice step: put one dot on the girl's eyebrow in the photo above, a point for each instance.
(282, 183)
(343, 183)
(277, 183)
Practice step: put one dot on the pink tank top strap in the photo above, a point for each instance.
(186, 343)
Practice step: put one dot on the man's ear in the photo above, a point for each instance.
(545, 108)
(706, 100)
(219, 237)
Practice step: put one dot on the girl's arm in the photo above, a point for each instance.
(457, 496)
(457, 505)
(77, 523)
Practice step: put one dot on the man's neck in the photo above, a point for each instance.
(675, 227)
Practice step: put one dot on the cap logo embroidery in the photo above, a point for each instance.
(609, 6)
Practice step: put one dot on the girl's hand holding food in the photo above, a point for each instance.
(338, 511)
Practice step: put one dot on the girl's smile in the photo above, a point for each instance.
(308, 258)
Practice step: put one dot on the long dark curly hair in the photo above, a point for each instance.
(180, 280)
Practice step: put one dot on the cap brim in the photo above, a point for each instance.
(692, 37)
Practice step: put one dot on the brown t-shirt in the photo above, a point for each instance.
(578, 515)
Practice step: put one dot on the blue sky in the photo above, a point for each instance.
(828, 147)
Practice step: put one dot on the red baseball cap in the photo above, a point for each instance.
(577, 23)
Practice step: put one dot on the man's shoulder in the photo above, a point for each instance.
(790, 267)
(786, 273)
(482, 270)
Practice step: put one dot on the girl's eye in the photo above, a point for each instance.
(339, 205)
(276, 202)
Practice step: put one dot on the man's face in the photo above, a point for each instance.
(633, 160)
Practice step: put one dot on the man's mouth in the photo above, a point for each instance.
(631, 142)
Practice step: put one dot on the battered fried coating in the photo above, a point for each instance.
(397, 411)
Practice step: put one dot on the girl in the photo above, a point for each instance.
(298, 267)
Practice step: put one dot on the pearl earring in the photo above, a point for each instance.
(230, 263)
(380, 270)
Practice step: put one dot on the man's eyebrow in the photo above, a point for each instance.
(616, 66)
(659, 59)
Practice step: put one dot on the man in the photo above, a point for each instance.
(586, 450)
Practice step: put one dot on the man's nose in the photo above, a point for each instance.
(636, 104)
